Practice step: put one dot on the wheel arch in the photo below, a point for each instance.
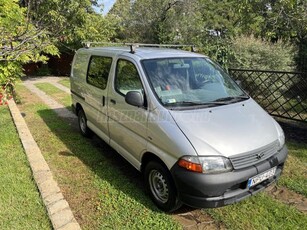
(78, 107)
(149, 156)
(174, 201)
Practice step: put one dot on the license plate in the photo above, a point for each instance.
(261, 177)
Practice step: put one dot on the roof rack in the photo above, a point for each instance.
(88, 44)
(133, 46)
(160, 45)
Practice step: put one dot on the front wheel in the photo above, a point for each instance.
(161, 187)
(84, 130)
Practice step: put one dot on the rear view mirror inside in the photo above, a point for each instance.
(181, 66)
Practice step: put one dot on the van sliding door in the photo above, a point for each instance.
(97, 78)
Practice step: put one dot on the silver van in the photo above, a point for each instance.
(178, 118)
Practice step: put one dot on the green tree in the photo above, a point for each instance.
(21, 42)
(275, 20)
(212, 25)
(119, 14)
(142, 20)
(70, 22)
(205, 23)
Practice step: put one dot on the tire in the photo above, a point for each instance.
(160, 186)
(84, 130)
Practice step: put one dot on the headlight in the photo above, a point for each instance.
(281, 135)
(209, 164)
(281, 138)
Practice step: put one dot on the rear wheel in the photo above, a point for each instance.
(161, 187)
(84, 130)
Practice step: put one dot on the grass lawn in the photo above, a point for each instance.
(102, 189)
(21, 206)
(295, 173)
(105, 191)
(65, 82)
(260, 212)
(57, 94)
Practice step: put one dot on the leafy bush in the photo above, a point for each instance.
(21, 42)
(9, 73)
(254, 53)
(218, 49)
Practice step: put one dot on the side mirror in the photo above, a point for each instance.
(134, 98)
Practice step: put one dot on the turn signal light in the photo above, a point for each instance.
(190, 166)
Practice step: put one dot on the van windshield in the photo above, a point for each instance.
(193, 81)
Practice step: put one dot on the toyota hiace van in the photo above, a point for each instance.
(180, 120)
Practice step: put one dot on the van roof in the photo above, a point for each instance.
(142, 52)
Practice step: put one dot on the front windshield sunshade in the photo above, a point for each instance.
(191, 81)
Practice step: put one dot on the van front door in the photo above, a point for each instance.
(127, 123)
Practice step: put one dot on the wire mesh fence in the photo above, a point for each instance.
(282, 94)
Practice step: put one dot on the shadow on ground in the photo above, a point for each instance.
(294, 131)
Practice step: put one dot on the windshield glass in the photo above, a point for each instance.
(191, 82)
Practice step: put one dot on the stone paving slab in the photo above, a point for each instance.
(52, 80)
(58, 209)
(57, 107)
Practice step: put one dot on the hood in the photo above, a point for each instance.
(227, 130)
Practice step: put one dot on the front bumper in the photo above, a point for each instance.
(215, 190)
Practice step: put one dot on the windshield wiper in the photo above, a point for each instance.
(241, 97)
(193, 103)
(220, 101)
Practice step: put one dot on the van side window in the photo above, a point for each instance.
(80, 65)
(127, 78)
(98, 71)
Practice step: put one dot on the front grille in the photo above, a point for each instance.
(247, 159)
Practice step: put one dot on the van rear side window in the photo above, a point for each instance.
(98, 71)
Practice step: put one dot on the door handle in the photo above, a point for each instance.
(113, 101)
(103, 100)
